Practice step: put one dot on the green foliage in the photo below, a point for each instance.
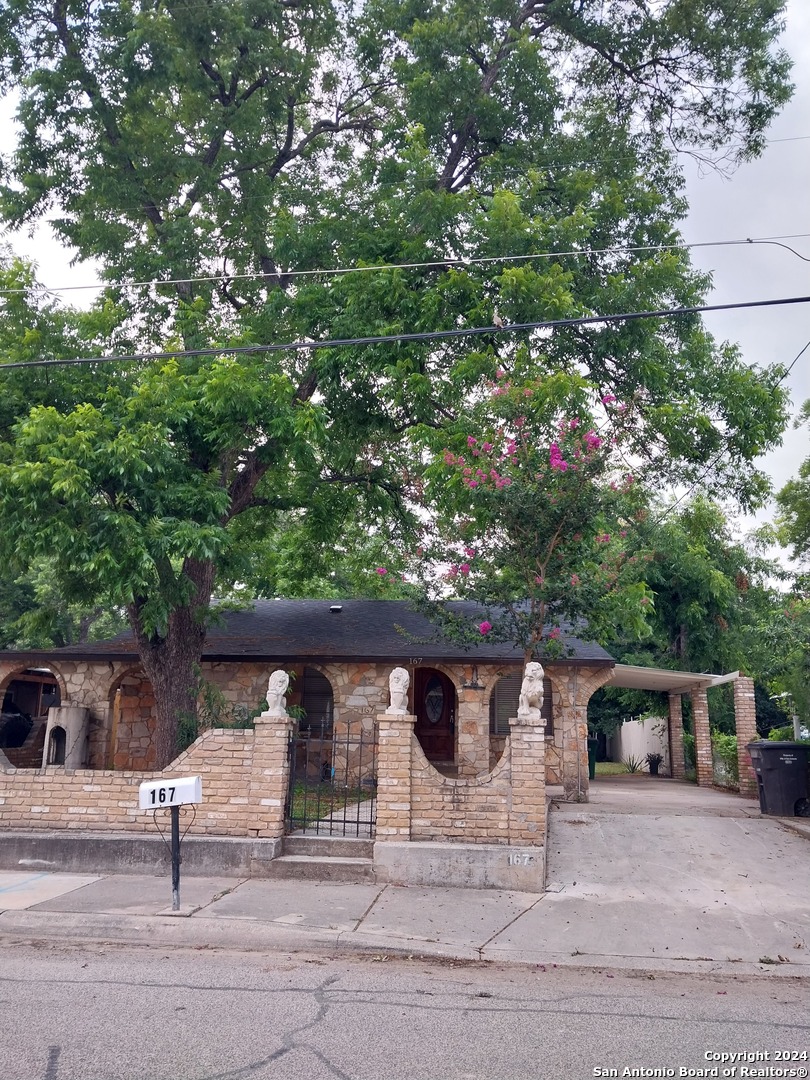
(689, 751)
(241, 144)
(632, 764)
(782, 734)
(724, 751)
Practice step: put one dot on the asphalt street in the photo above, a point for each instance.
(118, 1013)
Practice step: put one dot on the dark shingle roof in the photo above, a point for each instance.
(294, 630)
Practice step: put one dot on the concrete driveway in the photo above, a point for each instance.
(656, 868)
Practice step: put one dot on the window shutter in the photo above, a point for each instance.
(503, 704)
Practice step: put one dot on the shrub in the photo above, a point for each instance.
(688, 751)
(632, 764)
(724, 755)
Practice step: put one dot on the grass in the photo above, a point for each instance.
(610, 768)
(314, 802)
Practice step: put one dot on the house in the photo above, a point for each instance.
(340, 654)
(451, 791)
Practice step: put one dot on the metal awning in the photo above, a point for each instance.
(663, 679)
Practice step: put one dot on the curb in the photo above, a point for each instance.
(246, 935)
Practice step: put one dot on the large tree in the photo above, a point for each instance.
(225, 148)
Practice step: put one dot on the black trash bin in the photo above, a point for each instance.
(783, 777)
(593, 746)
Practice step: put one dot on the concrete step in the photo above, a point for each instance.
(320, 868)
(347, 847)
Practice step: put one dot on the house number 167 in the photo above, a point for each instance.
(516, 858)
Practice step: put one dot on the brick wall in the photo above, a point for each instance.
(704, 765)
(96, 799)
(746, 721)
(415, 802)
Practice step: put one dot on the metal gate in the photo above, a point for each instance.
(333, 780)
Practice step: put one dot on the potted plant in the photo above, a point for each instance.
(653, 763)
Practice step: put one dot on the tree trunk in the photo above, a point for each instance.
(171, 661)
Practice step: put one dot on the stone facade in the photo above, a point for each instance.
(121, 705)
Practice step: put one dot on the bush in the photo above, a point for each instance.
(689, 751)
(781, 734)
(725, 761)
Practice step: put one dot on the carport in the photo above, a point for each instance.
(696, 684)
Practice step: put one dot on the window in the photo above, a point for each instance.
(503, 704)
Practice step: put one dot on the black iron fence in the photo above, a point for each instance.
(333, 780)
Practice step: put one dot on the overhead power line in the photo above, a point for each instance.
(426, 335)
(451, 261)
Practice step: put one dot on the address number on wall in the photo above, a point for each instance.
(152, 794)
(516, 858)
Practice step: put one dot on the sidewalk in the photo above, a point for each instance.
(722, 893)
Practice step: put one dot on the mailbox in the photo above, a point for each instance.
(155, 794)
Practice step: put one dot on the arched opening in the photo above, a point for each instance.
(57, 746)
(435, 706)
(317, 704)
(132, 731)
(26, 697)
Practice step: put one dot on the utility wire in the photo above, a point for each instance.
(454, 262)
(427, 335)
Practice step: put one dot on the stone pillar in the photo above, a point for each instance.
(703, 740)
(394, 735)
(745, 714)
(473, 732)
(575, 753)
(527, 812)
(676, 758)
(270, 772)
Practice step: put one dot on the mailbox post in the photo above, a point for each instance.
(171, 794)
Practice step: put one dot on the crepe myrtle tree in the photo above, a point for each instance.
(530, 508)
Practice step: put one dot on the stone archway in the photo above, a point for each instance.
(132, 730)
(26, 694)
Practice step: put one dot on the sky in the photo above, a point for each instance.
(767, 197)
(764, 198)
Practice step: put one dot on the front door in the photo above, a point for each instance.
(434, 705)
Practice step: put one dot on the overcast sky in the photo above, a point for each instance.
(768, 197)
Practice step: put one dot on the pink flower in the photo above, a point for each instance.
(471, 441)
(486, 447)
(452, 572)
(575, 579)
(574, 423)
(556, 459)
(592, 440)
(449, 457)
(469, 552)
(555, 633)
(472, 483)
(608, 399)
(465, 568)
(484, 627)
(499, 374)
(381, 571)
(603, 539)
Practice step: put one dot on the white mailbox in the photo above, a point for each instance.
(154, 794)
